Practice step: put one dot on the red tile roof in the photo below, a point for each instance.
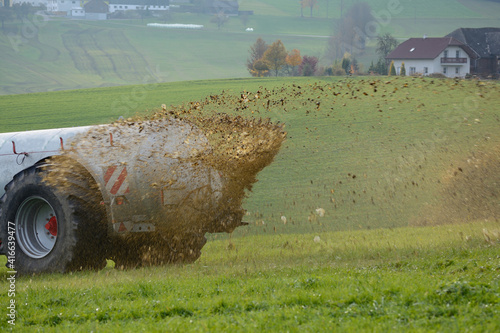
(424, 48)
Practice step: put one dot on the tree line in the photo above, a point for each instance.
(18, 11)
(352, 30)
(275, 60)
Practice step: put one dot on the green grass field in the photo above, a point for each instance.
(405, 169)
(371, 151)
(432, 279)
(385, 157)
(61, 54)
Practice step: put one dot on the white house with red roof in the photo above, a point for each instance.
(445, 55)
(152, 5)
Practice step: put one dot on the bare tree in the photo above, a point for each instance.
(350, 35)
(220, 19)
(308, 3)
(385, 44)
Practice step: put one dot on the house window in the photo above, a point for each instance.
(444, 70)
(126, 7)
(413, 70)
(457, 54)
(457, 70)
(426, 70)
(446, 53)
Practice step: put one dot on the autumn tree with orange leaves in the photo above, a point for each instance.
(293, 60)
(275, 60)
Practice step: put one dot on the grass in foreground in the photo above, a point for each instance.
(428, 279)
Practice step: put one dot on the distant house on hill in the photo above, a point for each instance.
(124, 5)
(78, 12)
(445, 55)
(62, 6)
(96, 10)
(486, 44)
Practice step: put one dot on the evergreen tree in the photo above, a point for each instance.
(403, 69)
(392, 69)
(381, 67)
(256, 53)
(346, 62)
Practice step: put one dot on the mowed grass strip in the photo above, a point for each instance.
(419, 279)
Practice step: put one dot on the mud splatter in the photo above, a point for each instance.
(470, 191)
(182, 173)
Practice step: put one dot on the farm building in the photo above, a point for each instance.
(124, 5)
(62, 6)
(445, 55)
(96, 10)
(486, 44)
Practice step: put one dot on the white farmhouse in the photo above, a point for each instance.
(62, 6)
(445, 55)
(152, 5)
(78, 12)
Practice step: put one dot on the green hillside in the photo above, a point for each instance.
(55, 54)
(371, 152)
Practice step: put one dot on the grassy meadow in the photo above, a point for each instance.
(405, 170)
(380, 213)
(430, 279)
(371, 151)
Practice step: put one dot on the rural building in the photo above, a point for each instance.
(445, 55)
(485, 42)
(124, 5)
(78, 12)
(62, 6)
(96, 10)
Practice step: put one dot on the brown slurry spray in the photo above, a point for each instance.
(470, 190)
(175, 152)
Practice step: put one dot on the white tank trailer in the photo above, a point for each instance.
(73, 197)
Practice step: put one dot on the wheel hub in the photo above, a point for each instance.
(51, 226)
(36, 227)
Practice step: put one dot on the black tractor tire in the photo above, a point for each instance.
(33, 206)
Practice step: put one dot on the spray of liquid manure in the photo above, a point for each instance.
(189, 169)
(360, 153)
